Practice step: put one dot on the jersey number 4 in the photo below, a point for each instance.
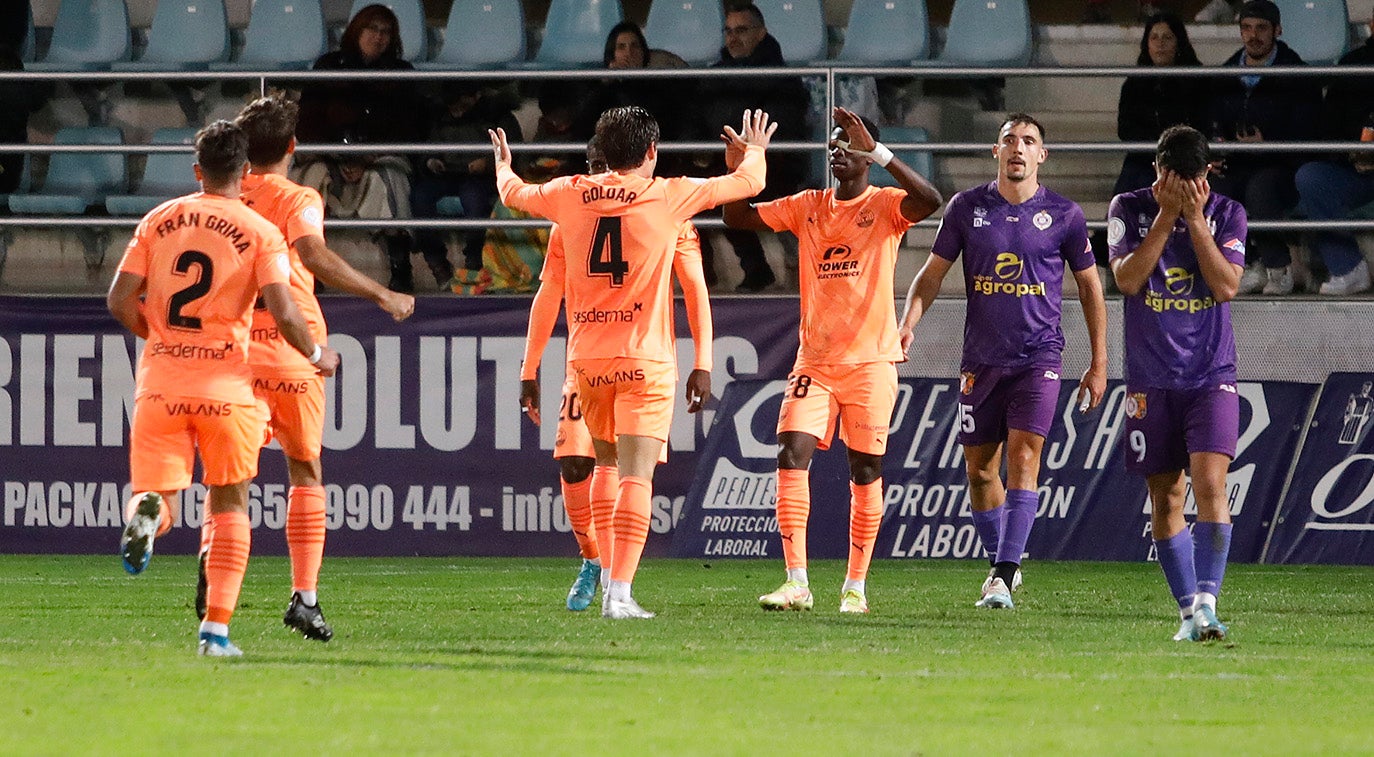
(606, 257)
(197, 289)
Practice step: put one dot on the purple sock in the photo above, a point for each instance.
(1211, 545)
(988, 524)
(1020, 507)
(1176, 558)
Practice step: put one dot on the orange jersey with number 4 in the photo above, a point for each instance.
(204, 257)
(848, 256)
(298, 212)
(619, 234)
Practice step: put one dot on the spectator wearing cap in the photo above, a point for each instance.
(1254, 108)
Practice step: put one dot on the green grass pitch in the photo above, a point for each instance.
(478, 656)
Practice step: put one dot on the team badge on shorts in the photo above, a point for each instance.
(561, 440)
(1135, 406)
(966, 382)
(1042, 220)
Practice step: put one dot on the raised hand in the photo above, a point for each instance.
(859, 138)
(499, 147)
(756, 129)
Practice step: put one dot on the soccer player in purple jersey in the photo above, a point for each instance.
(1178, 252)
(1016, 237)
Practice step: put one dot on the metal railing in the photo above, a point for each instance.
(270, 79)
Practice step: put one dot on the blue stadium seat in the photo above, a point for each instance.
(1319, 30)
(919, 160)
(575, 32)
(482, 34)
(87, 35)
(885, 32)
(411, 15)
(186, 35)
(797, 25)
(166, 175)
(281, 34)
(26, 53)
(76, 181)
(988, 33)
(691, 29)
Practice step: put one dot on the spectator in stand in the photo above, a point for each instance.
(749, 45)
(468, 110)
(1151, 104)
(666, 99)
(1255, 108)
(362, 111)
(1332, 188)
(21, 99)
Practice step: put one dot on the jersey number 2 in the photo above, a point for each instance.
(198, 288)
(606, 256)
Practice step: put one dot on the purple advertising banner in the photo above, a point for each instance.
(426, 451)
(1090, 508)
(1326, 515)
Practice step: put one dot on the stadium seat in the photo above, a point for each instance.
(988, 33)
(919, 160)
(885, 32)
(87, 35)
(411, 15)
(166, 175)
(575, 32)
(482, 34)
(449, 206)
(690, 29)
(1319, 30)
(186, 35)
(76, 181)
(281, 34)
(797, 25)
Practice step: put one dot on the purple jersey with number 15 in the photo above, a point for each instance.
(1014, 258)
(1177, 335)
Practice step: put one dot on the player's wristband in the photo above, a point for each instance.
(879, 154)
(316, 355)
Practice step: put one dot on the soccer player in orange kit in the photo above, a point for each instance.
(620, 232)
(846, 365)
(187, 284)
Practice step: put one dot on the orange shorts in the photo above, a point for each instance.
(626, 396)
(861, 395)
(166, 431)
(296, 410)
(574, 440)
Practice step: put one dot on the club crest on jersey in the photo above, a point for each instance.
(1135, 406)
(1042, 220)
(866, 219)
(980, 218)
(966, 382)
(1178, 281)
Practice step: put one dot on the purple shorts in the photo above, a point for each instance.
(1164, 426)
(993, 399)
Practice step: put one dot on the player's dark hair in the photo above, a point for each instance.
(270, 123)
(1183, 150)
(1185, 56)
(221, 151)
(608, 54)
(750, 8)
(625, 136)
(596, 159)
(1013, 119)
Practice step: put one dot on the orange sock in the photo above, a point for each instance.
(604, 490)
(305, 535)
(577, 500)
(865, 515)
(794, 507)
(230, 538)
(632, 511)
(206, 530)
